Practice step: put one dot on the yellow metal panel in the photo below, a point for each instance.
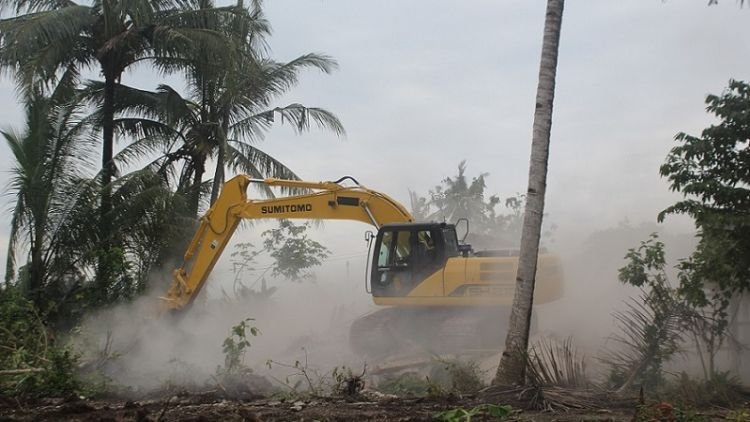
(549, 279)
(432, 286)
(480, 281)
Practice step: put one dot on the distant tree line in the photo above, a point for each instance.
(493, 223)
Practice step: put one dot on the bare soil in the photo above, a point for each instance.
(212, 407)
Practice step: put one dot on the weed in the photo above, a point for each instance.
(235, 346)
(738, 416)
(303, 375)
(308, 380)
(179, 376)
(234, 378)
(667, 412)
(346, 383)
(723, 389)
(456, 376)
(446, 376)
(406, 384)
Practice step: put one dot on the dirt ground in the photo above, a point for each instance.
(211, 407)
(191, 409)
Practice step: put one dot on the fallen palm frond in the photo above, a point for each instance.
(555, 398)
(553, 363)
(651, 330)
(562, 398)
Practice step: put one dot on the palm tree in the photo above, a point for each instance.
(48, 36)
(147, 205)
(512, 368)
(228, 108)
(460, 198)
(46, 183)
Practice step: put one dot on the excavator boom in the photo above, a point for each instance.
(323, 201)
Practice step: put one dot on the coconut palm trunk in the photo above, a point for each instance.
(195, 189)
(108, 140)
(218, 175)
(512, 368)
(104, 271)
(218, 181)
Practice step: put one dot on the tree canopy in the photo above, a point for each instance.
(88, 234)
(462, 197)
(712, 172)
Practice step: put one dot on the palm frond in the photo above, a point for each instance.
(285, 75)
(555, 363)
(36, 45)
(246, 158)
(26, 6)
(650, 332)
(297, 115)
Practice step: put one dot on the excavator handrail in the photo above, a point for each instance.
(324, 201)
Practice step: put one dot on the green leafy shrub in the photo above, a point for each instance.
(32, 361)
(235, 346)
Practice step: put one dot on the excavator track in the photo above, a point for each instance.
(399, 331)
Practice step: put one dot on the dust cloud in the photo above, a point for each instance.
(306, 322)
(310, 321)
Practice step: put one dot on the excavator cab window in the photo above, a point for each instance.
(402, 251)
(406, 254)
(394, 253)
(451, 241)
(393, 272)
(384, 251)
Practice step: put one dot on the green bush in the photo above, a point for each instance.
(33, 362)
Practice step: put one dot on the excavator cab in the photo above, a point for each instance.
(405, 254)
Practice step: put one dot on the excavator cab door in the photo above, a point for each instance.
(405, 254)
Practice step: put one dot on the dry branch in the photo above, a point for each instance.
(11, 372)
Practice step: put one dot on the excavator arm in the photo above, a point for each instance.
(325, 201)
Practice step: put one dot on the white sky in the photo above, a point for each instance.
(425, 84)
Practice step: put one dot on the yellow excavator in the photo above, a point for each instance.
(439, 293)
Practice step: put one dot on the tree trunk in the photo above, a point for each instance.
(104, 270)
(218, 175)
(108, 137)
(36, 270)
(512, 368)
(195, 190)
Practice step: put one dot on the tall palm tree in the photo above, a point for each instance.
(49, 35)
(512, 368)
(227, 110)
(46, 183)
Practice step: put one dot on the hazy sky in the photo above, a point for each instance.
(423, 85)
